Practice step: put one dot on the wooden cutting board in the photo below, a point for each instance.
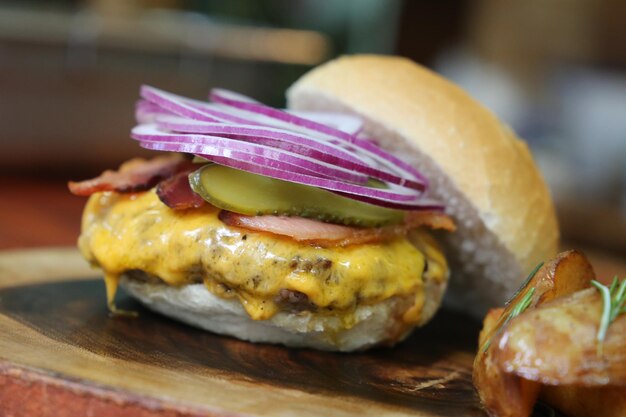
(61, 354)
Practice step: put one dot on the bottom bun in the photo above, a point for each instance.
(376, 324)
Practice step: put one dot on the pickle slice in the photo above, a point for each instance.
(251, 194)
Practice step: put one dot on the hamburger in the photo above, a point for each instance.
(327, 242)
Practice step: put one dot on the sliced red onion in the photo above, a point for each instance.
(241, 102)
(344, 122)
(246, 104)
(186, 107)
(395, 197)
(307, 146)
(147, 106)
(263, 114)
(420, 204)
(183, 125)
(220, 146)
(275, 169)
(323, 150)
(147, 112)
(174, 104)
(389, 160)
(220, 113)
(215, 154)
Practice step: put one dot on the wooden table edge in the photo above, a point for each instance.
(26, 391)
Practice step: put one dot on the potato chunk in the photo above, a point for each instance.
(550, 350)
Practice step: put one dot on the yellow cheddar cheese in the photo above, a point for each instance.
(127, 232)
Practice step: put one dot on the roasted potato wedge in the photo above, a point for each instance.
(567, 273)
(552, 342)
(586, 401)
(555, 344)
(495, 385)
(505, 394)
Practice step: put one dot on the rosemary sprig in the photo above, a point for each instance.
(525, 283)
(613, 304)
(523, 304)
(519, 308)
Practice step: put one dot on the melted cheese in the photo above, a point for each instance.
(121, 233)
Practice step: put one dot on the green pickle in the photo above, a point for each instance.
(246, 193)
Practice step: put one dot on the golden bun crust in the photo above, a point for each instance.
(476, 164)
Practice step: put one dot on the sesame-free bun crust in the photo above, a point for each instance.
(476, 165)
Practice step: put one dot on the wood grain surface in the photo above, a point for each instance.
(61, 354)
(57, 338)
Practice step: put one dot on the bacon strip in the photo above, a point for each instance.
(435, 220)
(176, 193)
(327, 234)
(132, 176)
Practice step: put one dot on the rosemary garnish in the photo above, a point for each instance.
(516, 311)
(519, 308)
(525, 283)
(613, 304)
(522, 305)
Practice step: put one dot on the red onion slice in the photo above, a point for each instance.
(220, 146)
(269, 167)
(182, 125)
(214, 154)
(318, 149)
(382, 197)
(149, 107)
(243, 103)
(246, 104)
(344, 122)
(218, 112)
(307, 146)
(147, 112)
(186, 107)
(261, 114)
(420, 204)
(174, 104)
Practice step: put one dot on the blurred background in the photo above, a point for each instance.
(70, 71)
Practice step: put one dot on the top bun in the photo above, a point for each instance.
(476, 165)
